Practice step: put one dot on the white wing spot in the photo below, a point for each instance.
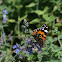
(45, 31)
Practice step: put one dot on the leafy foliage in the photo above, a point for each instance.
(18, 18)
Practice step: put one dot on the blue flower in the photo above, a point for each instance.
(30, 51)
(39, 49)
(4, 11)
(28, 41)
(14, 46)
(22, 37)
(17, 50)
(17, 47)
(5, 19)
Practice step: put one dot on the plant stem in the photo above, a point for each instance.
(11, 45)
(59, 41)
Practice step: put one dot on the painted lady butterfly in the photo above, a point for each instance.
(40, 35)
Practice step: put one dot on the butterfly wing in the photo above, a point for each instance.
(40, 34)
(43, 31)
(34, 32)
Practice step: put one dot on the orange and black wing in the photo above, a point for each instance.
(40, 34)
(34, 32)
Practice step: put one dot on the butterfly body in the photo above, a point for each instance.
(40, 34)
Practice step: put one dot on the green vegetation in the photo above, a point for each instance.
(18, 18)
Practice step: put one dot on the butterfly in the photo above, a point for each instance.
(40, 34)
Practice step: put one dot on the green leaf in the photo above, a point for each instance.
(55, 8)
(31, 5)
(55, 49)
(60, 36)
(55, 39)
(18, 6)
(58, 24)
(35, 21)
(44, 53)
(20, 19)
(39, 12)
(49, 18)
(11, 20)
(49, 40)
(52, 60)
(22, 42)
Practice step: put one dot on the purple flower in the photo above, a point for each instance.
(24, 49)
(3, 34)
(4, 15)
(4, 11)
(14, 46)
(17, 47)
(26, 31)
(22, 37)
(30, 51)
(27, 24)
(38, 46)
(39, 49)
(0, 45)
(10, 38)
(3, 37)
(5, 19)
(2, 54)
(28, 41)
(21, 56)
(22, 26)
(29, 45)
(17, 50)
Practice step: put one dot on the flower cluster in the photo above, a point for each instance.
(33, 46)
(25, 26)
(30, 46)
(4, 12)
(17, 47)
